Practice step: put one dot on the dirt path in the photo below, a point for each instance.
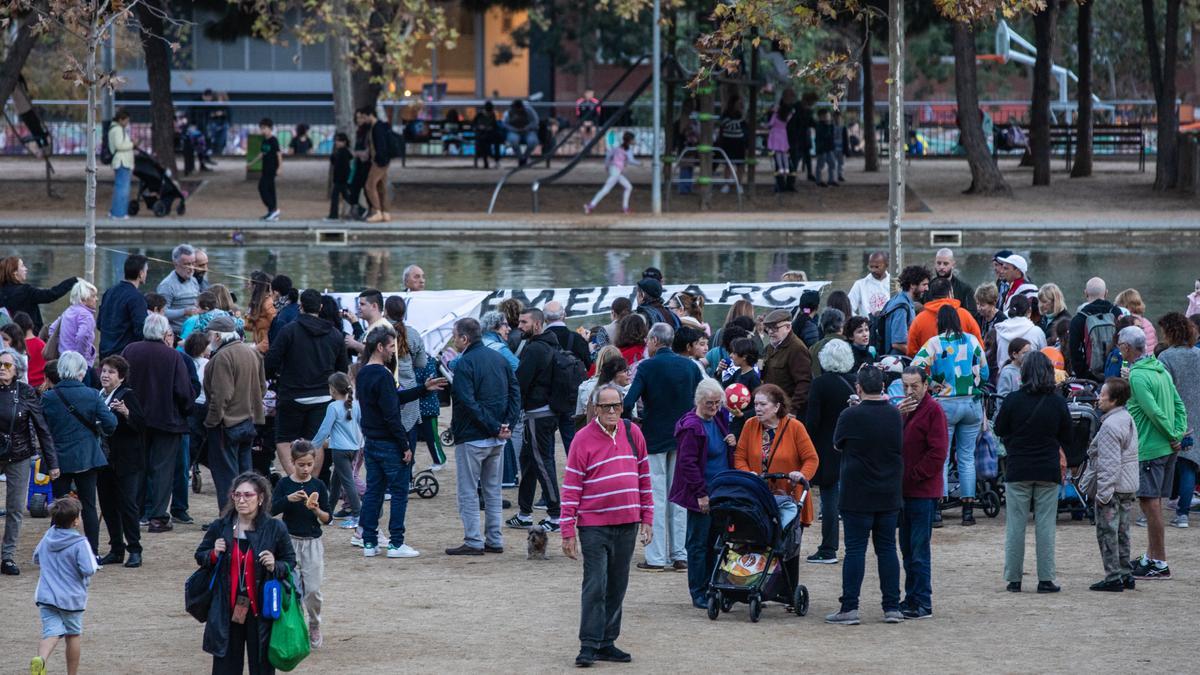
(507, 614)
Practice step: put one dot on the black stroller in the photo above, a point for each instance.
(754, 547)
(156, 187)
(1083, 397)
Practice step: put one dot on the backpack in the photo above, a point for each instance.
(395, 145)
(879, 331)
(568, 373)
(654, 315)
(1099, 336)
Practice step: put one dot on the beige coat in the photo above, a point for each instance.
(235, 383)
(1112, 457)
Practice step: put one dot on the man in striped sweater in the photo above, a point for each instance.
(606, 495)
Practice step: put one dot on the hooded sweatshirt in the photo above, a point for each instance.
(1156, 409)
(303, 356)
(924, 326)
(1019, 327)
(868, 295)
(67, 567)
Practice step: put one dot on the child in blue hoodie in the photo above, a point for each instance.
(67, 565)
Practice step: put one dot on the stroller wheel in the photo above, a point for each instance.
(726, 605)
(181, 209)
(447, 438)
(800, 600)
(426, 486)
(134, 207)
(755, 609)
(37, 505)
(161, 209)
(714, 606)
(991, 504)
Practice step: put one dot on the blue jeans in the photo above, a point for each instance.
(916, 528)
(183, 475)
(516, 139)
(880, 526)
(964, 417)
(566, 430)
(120, 195)
(700, 554)
(829, 518)
(1185, 480)
(386, 473)
(229, 456)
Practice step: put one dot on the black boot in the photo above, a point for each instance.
(789, 184)
(778, 183)
(968, 514)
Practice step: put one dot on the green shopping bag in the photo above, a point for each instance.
(289, 636)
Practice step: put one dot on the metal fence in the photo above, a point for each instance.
(934, 121)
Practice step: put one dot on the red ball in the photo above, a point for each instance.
(737, 396)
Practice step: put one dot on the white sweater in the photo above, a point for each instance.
(868, 295)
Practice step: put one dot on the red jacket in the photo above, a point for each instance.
(926, 443)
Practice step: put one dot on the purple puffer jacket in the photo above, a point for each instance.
(78, 326)
(688, 485)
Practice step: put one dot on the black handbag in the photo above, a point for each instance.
(198, 590)
(6, 440)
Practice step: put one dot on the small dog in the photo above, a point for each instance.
(536, 544)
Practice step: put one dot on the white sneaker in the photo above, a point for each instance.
(387, 496)
(402, 551)
(356, 540)
(437, 467)
(1141, 521)
(370, 551)
(349, 523)
(1180, 521)
(273, 216)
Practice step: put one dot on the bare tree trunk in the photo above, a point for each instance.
(343, 86)
(18, 54)
(1166, 170)
(986, 178)
(1151, 31)
(89, 200)
(158, 80)
(1039, 131)
(870, 140)
(1083, 154)
(895, 132)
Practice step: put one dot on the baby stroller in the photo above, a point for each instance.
(156, 187)
(1082, 397)
(754, 546)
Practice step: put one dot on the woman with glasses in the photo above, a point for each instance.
(20, 420)
(704, 444)
(247, 547)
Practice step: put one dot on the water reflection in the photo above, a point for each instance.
(1163, 282)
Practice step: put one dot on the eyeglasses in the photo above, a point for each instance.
(775, 327)
(5, 365)
(609, 407)
(711, 404)
(243, 496)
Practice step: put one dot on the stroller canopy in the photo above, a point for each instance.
(745, 495)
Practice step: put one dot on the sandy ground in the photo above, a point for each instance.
(433, 188)
(507, 614)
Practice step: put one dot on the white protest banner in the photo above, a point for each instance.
(433, 313)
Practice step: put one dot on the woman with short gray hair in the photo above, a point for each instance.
(79, 421)
(20, 420)
(828, 396)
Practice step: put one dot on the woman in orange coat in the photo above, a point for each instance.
(775, 442)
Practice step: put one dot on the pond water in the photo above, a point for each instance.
(1163, 275)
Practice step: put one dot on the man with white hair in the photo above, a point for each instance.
(414, 279)
(180, 287)
(160, 380)
(234, 384)
(665, 383)
(944, 267)
(1092, 332)
(1161, 420)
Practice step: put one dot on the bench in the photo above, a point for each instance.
(1065, 137)
(427, 138)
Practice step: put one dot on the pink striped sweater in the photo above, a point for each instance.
(605, 482)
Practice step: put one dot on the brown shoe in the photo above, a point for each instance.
(679, 565)
(159, 526)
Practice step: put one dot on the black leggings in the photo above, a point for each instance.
(85, 489)
(243, 647)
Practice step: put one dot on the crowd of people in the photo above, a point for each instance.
(312, 412)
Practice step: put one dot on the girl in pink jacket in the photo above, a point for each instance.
(777, 143)
(615, 163)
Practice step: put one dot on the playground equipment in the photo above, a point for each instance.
(36, 138)
(1006, 39)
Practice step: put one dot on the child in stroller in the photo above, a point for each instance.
(156, 187)
(759, 544)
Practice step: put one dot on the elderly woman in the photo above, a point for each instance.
(495, 336)
(775, 442)
(78, 419)
(76, 327)
(1181, 358)
(1034, 423)
(1112, 474)
(247, 547)
(1052, 307)
(1131, 301)
(831, 323)
(827, 398)
(119, 481)
(704, 442)
(21, 420)
(18, 296)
